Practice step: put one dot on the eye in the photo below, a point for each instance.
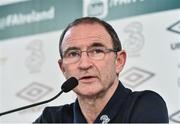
(72, 54)
(97, 50)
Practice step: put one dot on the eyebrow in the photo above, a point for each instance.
(96, 44)
(71, 48)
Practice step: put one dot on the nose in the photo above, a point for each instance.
(85, 62)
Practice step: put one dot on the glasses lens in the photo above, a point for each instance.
(96, 53)
(71, 56)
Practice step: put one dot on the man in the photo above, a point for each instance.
(91, 51)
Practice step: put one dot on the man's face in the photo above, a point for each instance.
(95, 76)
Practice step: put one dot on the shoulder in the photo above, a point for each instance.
(149, 98)
(149, 106)
(58, 109)
(147, 95)
(55, 114)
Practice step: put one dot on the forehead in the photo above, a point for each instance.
(84, 35)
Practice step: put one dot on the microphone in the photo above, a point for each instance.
(67, 86)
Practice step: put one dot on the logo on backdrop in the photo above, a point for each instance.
(100, 8)
(20, 18)
(97, 8)
(175, 117)
(135, 39)
(178, 65)
(175, 27)
(178, 80)
(3, 60)
(135, 76)
(175, 46)
(35, 59)
(34, 92)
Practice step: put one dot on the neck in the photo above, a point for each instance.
(91, 107)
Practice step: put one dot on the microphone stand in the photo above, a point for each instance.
(32, 105)
(67, 86)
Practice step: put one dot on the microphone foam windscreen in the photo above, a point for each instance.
(69, 84)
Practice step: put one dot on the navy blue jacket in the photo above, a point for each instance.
(124, 106)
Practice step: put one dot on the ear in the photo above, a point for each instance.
(120, 61)
(60, 62)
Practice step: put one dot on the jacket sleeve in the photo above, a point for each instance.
(44, 117)
(56, 114)
(150, 108)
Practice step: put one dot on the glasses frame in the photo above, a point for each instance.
(88, 52)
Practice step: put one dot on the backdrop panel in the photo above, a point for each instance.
(29, 35)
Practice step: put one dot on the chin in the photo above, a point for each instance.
(88, 93)
(88, 89)
(88, 96)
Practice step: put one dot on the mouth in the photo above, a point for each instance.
(88, 79)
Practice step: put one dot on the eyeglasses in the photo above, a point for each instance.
(94, 53)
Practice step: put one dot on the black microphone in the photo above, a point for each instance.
(67, 86)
